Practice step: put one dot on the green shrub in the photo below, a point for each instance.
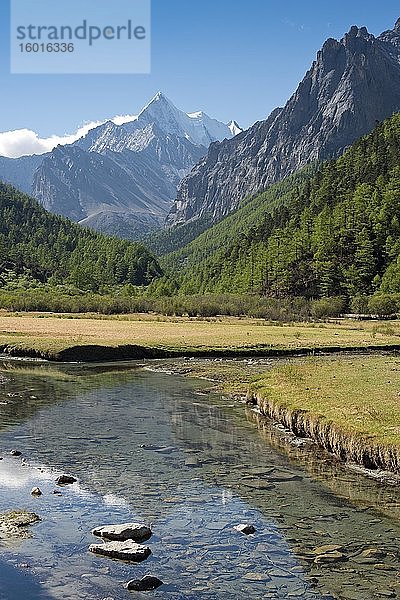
(382, 305)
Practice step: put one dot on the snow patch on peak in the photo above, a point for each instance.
(195, 115)
(234, 128)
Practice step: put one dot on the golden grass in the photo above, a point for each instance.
(359, 396)
(47, 332)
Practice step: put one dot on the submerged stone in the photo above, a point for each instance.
(257, 577)
(14, 524)
(327, 549)
(146, 584)
(330, 557)
(369, 556)
(15, 453)
(123, 532)
(19, 518)
(127, 550)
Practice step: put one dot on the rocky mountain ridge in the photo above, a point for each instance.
(353, 84)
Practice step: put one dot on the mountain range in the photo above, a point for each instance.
(353, 84)
(120, 179)
(262, 210)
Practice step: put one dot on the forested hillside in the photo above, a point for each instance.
(53, 249)
(334, 232)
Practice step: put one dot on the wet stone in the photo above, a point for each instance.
(257, 577)
(258, 485)
(36, 492)
(123, 532)
(128, 550)
(245, 528)
(65, 480)
(15, 523)
(146, 584)
(369, 556)
(327, 549)
(192, 463)
(330, 557)
(386, 593)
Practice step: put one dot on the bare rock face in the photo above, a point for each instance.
(353, 84)
(127, 550)
(126, 531)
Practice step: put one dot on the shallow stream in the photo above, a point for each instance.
(160, 449)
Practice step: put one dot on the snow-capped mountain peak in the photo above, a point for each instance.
(197, 127)
(162, 115)
(122, 176)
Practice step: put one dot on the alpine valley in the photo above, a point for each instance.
(303, 204)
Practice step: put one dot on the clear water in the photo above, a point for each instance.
(158, 449)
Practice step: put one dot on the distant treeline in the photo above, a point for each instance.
(23, 296)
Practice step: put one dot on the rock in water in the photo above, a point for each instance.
(65, 480)
(123, 532)
(330, 557)
(36, 491)
(19, 518)
(327, 549)
(245, 528)
(14, 524)
(15, 453)
(128, 550)
(146, 584)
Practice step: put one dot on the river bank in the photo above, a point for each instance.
(129, 337)
(348, 407)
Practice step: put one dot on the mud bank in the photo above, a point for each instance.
(98, 353)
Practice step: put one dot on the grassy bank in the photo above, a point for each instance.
(92, 337)
(349, 407)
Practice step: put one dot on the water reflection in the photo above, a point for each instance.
(147, 447)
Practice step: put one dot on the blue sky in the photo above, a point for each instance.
(231, 58)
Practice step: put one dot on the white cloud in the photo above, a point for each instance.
(23, 142)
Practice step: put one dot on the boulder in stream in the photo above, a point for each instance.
(36, 492)
(245, 528)
(128, 550)
(65, 480)
(123, 532)
(146, 584)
